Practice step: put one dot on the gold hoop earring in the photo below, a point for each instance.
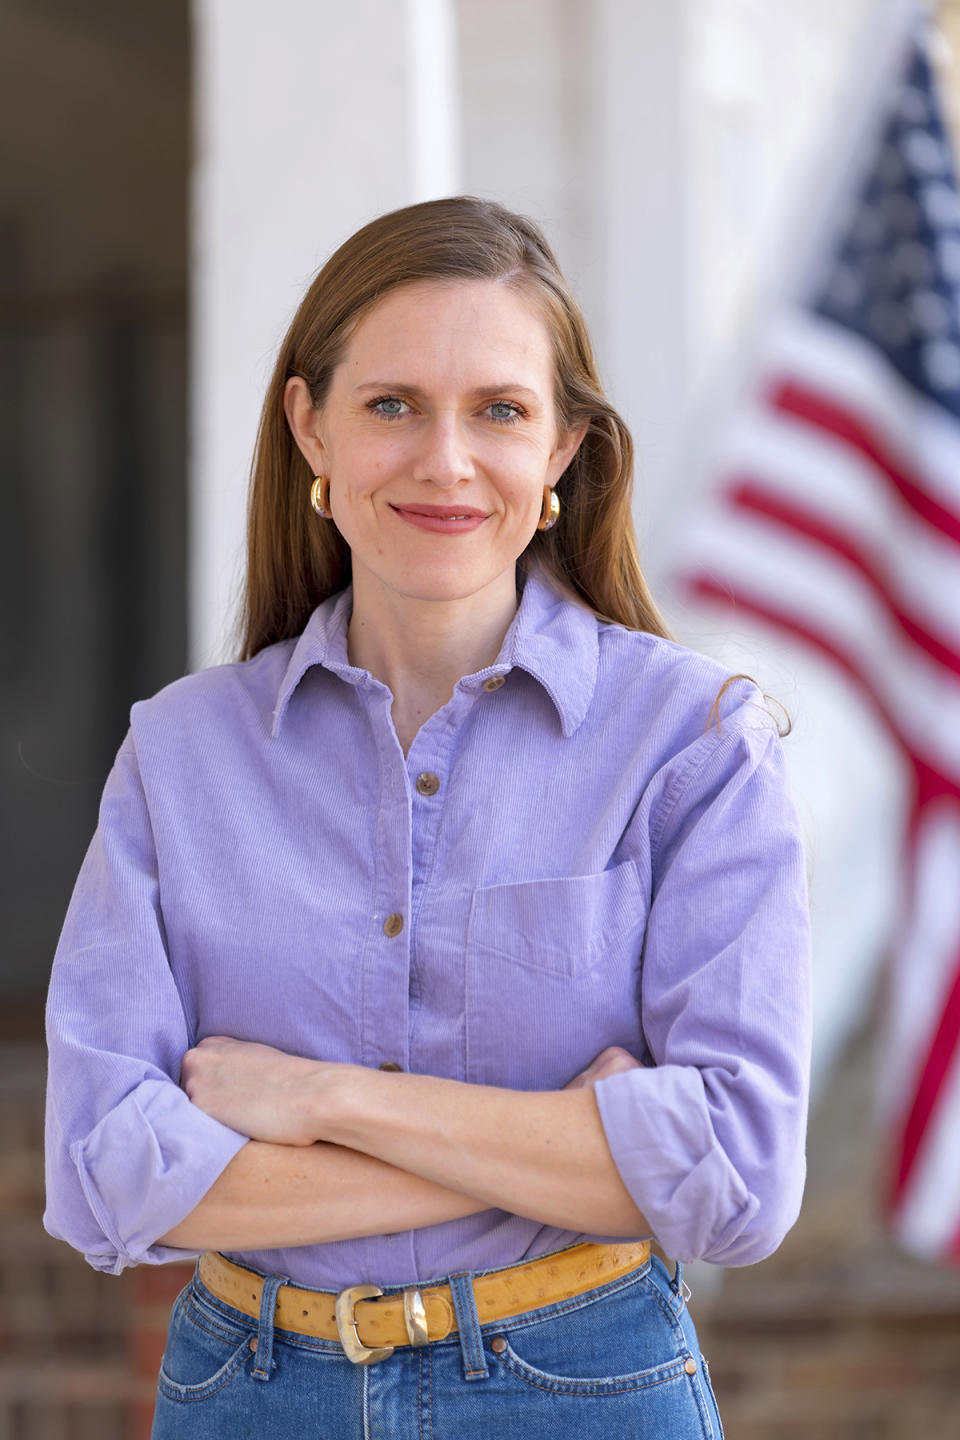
(320, 495)
(549, 509)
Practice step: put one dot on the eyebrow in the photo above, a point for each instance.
(399, 387)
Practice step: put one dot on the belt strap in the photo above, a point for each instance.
(380, 1322)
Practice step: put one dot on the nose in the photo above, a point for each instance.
(444, 457)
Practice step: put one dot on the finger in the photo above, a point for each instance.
(614, 1052)
(618, 1063)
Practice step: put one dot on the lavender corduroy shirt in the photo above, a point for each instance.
(589, 859)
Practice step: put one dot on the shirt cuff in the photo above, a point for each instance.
(144, 1167)
(658, 1129)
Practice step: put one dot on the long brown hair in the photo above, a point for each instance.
(294, 560)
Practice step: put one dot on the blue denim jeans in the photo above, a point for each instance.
(620, 1360)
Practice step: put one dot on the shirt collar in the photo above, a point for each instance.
(553, 637)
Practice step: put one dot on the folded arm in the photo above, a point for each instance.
(538, 1154)
(271, 1196)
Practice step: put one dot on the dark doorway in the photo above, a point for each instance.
(94, 156)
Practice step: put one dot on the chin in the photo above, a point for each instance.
(439, 586)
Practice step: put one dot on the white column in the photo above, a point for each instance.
(312, 116)
(636, 293)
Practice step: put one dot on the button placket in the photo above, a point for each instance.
(382, 982)
(431, 766)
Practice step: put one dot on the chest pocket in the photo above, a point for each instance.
(552, 971)
(560, 927)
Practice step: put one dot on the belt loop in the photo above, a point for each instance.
(263, 1360)
(468, 1328)
(680, 1288)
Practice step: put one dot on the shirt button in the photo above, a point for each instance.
(494, 682)
(390, 1065)
(428, 783)
(392, 925)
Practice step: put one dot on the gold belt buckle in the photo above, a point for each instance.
(414, 1317)
(353, 1347)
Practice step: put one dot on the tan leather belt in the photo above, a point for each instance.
(369, 1328)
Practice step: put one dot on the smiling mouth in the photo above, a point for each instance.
(442, 519)
(442, 512)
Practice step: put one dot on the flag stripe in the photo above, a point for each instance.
(919, 700)
(927, 943)
(803, 404)
(752, 495)
(943, 1049)
(921, 1220)
(827, 359)
(805, 466)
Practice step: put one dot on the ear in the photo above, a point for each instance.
(568, 443)
(304, 421)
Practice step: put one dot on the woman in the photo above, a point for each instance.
(467, 909)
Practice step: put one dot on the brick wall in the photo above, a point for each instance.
(63, 1328)
(79, 1351)
(153, 1289)
(837, 1337)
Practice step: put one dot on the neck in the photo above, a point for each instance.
(419, 649)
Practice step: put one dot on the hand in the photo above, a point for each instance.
(609, 1062)
(255, 1089)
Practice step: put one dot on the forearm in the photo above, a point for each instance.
(277, 1196)
(543, 1155)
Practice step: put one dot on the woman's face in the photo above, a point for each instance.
(438, 434)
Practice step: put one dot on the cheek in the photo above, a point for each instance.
(527, 497)
(362, 465)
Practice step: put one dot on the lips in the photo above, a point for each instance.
(441, 519)
(443, 512)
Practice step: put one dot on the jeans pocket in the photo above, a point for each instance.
(205, 1350)
(622, 1337)
(671, 1371)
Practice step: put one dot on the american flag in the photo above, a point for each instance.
(836, 519)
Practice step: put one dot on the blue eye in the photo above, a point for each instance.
(504, 412)
(388, 407)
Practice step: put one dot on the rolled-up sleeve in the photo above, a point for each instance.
(127, 1155)
(710, 1137)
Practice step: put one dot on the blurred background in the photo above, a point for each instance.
(172, 175)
